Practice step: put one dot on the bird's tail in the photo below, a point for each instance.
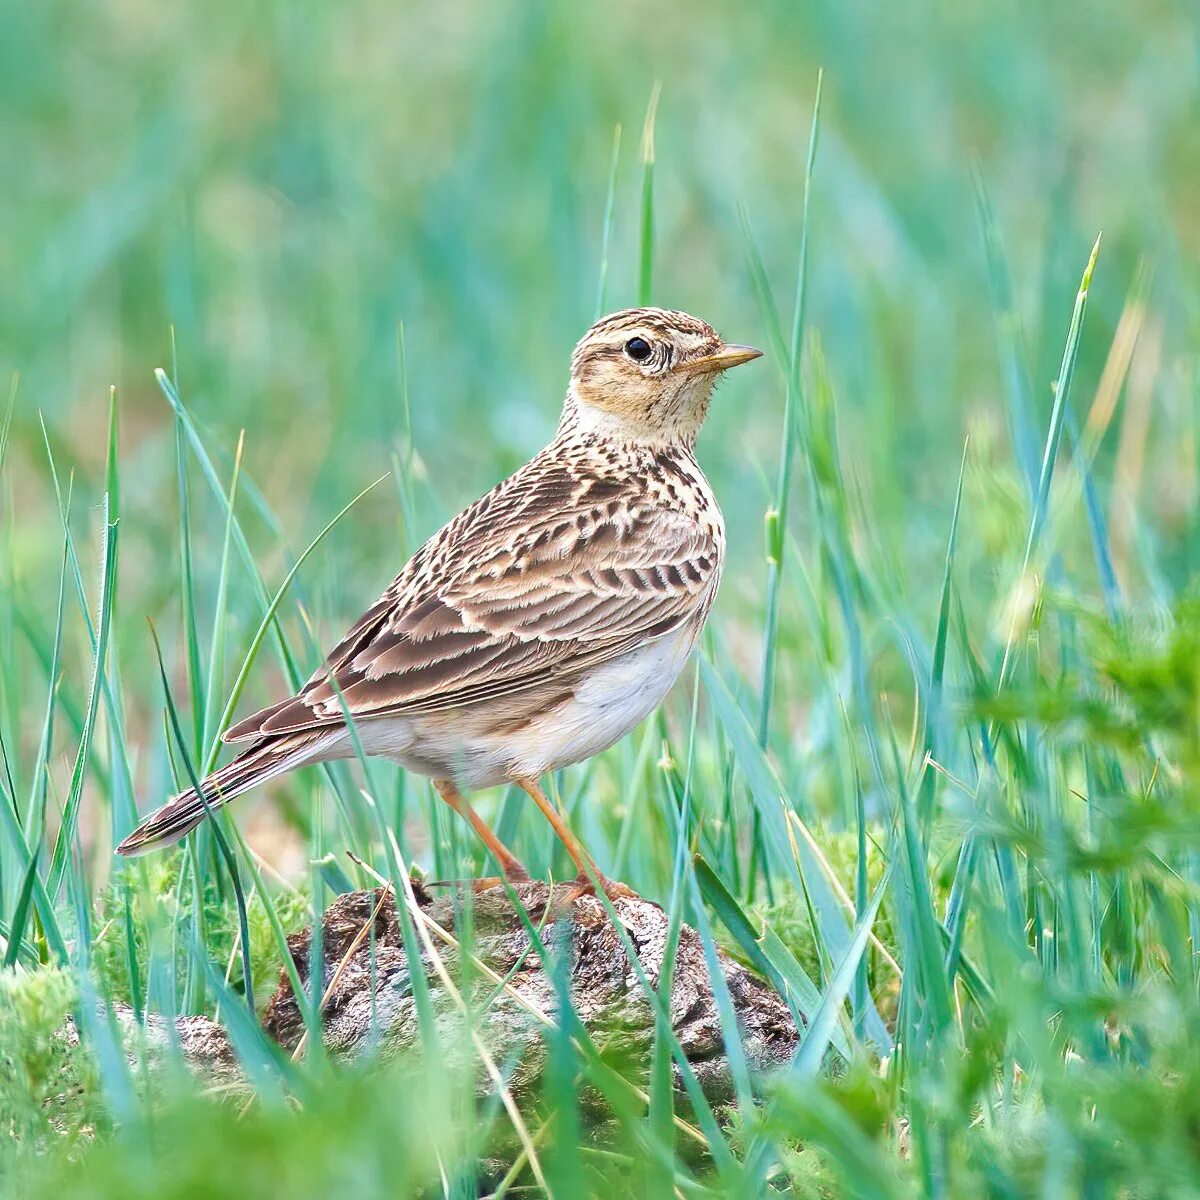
(181, 814)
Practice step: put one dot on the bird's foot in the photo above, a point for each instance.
(583, 885)
(515, 874)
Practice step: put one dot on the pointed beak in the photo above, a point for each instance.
(728, 356)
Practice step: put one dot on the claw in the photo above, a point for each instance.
(481, 885)
(582, 885)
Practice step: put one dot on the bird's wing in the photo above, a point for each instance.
(548, 575)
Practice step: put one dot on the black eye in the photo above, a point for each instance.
(638, 349)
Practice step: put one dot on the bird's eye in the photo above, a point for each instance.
(638, 349)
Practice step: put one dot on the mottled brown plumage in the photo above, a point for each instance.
(543, 621)
(561, 567)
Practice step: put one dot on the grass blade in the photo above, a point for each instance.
(824, 1023)
(66, 833)
(265, 624)
(777, 517)
(1062, 392)
(213, 824)
(606, 230)
(16, 929)
(646, 252)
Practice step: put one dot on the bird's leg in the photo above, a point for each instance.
(514, 870)
(589, 873)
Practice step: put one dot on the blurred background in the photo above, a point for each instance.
(363, 238)
(287, 185)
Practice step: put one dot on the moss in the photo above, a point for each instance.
(49, 1091)
(151, 891)
(789, 917)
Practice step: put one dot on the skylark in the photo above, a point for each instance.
(543, 622)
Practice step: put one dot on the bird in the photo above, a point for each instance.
(543, 622)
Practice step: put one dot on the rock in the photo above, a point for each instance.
(371, 1006)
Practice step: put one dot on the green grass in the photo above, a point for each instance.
(934, 773)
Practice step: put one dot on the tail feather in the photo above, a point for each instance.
(183, 812)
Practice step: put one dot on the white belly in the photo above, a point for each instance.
(606, 706)
(464, 745)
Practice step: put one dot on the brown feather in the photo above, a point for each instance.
(183, 812)
(567, 564)
(606, 541)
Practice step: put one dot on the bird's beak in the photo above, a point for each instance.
(728, 356)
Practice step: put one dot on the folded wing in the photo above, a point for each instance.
(547, 576)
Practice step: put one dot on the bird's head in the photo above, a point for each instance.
(646, 375)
